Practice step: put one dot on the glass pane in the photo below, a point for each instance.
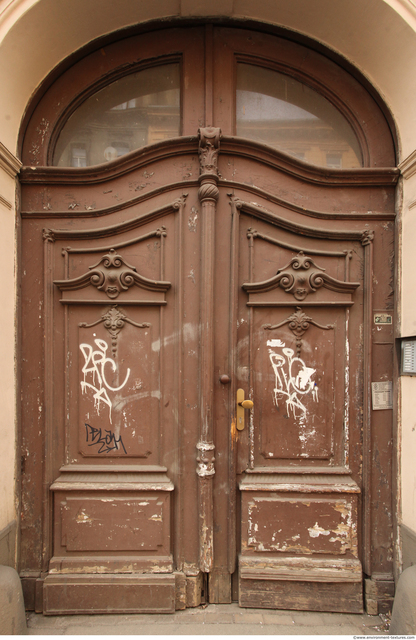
(286, 114)
(129, 113)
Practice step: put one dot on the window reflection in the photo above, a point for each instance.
(290, 116)
(136, 110)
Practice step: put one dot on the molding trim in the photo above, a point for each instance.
(408, 537)
(8, 545)
(408, 166)
(8, 162)
(5, 203)
(232, 145)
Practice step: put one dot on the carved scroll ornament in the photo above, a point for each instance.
(112, 274)
(367, 237)
(300, 277)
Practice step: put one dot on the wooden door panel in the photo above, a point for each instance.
(83, 594)
(112, 395)
(300, 536)
(118, 405)
(300, 300)
(296, 412)
(112, 317)
(298, 307)
(332, 533)
(101, 524)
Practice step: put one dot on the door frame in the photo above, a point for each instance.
(42, 139)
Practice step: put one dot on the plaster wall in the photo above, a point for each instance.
(8, 338)
(408, 438)
(408, 328)
(408, 244)
(377, 36)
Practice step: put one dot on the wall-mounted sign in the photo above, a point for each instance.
(382, 395)
(383, 318)
(408, 356)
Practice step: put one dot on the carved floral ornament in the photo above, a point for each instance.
(209, 145)
(300, 277)
(113, 275)
(298, 323)
(208, 149)
(114, 320)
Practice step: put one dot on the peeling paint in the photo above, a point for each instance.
(193, 219)
(317, 531)
(82, 518)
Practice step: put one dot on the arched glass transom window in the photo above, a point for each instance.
(136, 110)
(282, 112)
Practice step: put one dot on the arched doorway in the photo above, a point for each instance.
(207, 215)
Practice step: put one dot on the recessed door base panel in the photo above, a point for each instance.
(299, 546)
(92, 593)
(307, 596)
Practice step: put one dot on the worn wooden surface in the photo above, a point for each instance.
(186, 270)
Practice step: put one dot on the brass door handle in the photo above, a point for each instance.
(241, 406)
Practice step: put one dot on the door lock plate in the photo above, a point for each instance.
(241, 406)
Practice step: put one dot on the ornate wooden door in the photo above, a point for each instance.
(162, 289)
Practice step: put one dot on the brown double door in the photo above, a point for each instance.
(147, 486)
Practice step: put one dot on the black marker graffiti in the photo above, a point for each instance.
(108, 442)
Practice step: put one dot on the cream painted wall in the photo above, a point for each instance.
(408, 328)
(408, 245)
(377, 36)
(408, 444)
(8, 336)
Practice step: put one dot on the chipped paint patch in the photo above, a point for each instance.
(156, 517)
(317, 531)
(82, 517)
(193, 219)
(343, 509)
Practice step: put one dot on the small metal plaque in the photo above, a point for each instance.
(409, 356)
(382, 394)
(383, 318)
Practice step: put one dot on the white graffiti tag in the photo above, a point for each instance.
(94, 366)
(293, 379)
